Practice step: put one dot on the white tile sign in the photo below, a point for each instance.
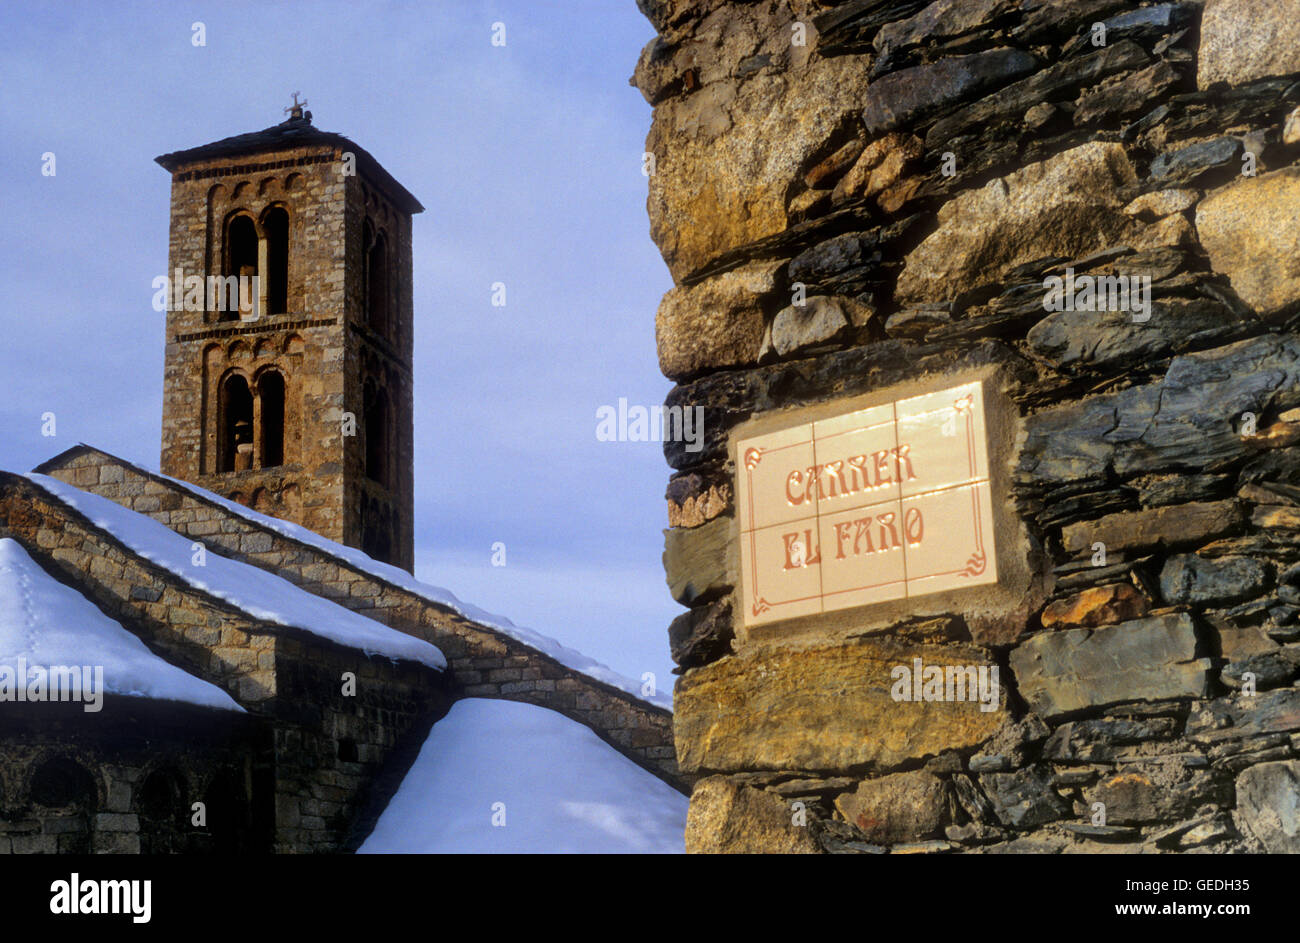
(884, 503)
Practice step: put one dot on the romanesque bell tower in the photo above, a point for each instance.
(287, 384)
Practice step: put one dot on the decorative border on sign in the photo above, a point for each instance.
(976, 564)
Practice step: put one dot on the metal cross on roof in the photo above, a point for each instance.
(295, 110)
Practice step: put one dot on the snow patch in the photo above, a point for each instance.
(45, 623)
(261, 594)
(561, 789)
(566, 656)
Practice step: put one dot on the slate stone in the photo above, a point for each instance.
(1190, 579)
(1270, 669)
(940, 20)
(1242, 717)
(1152, 792)
(1187, 164)
(1094, 741)
(901, 97)
(1119, 833)
(1185, 421)
(1054, 82)
(701, 635)
(1107, 339)
(1268, 805)
(1194, 522)
(1023, 799)
(1148, 659)
(700, 562)
(1125, 95)
(1057, 19)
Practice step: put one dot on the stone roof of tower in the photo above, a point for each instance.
(295, 132)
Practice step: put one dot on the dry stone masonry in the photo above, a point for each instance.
(1089, 210)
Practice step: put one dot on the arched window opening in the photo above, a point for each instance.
(376, 420)
(241, 261)
(164, 814)
(276, 226)
(230, 827)
(270, 391)
(236, 452)
(61, 783)
(65, 791)
(377, 284)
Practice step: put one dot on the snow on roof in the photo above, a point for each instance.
(566, 656)
(561, 789)
(44, 623)
(261, 594)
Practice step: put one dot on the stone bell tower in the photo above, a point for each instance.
(287, 381)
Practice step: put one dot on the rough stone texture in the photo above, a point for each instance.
(902, 96)
(1065, 206)
(729, 818)
(1251, 231)
(942, 206)
(1194, 522)
(1268, 805)
(692, 500)
(1146, 659)
(819, 708)
(701, 635)
(725, 152)
(700, 561)
(1022, 799)
(1244, 40)
(901, 807)
(716, 323)
(1192, 579)
(1097, 605)
(817, 320)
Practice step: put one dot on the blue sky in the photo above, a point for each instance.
(527, 160)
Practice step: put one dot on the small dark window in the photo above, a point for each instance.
(270, 388)
(236, 452)
(348, 750)
(377, 282)
(62, 783)
(276, 226)
(241, 260)
(376, 418)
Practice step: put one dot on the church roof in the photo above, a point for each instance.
(295, 132)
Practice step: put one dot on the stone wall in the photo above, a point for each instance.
(331, 755)
(123, 780)
(875, 192)
(483, 662)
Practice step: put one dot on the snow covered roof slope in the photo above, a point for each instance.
(44, 623)
(505, 776)
(398, 577)
(261, 594)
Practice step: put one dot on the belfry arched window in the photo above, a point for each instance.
(270, 396)
(236, 418)
(240, 261)
(376, 420)
(275, 225)
(376, 278)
